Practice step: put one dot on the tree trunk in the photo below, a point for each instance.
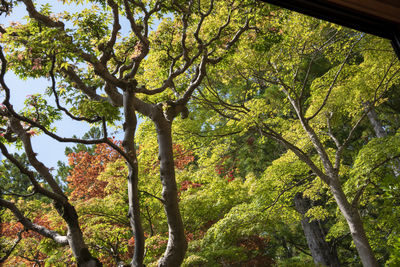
(322, 252)
(350, 213)
(63, 207)
(133, 192)
(75, 237)
(177, 244)
(355, 224)
(375, 122)
(380, 132)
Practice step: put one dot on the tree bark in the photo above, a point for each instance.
(322, 252)
(355, 224)
(75, 236)
(349, 212)
(63, 207)
(133, 192)
(380, 132)
(177, 244)
(375, 122)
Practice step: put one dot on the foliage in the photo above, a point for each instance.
(86, 167)
(260, 128)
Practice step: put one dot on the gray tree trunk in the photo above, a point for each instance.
(380, 132)
(75, 237)
(322, 252)
(133, 191)
(177, 244)
(349, 212)
(375, 122)
(355, 224)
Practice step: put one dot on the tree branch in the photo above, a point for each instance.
(30, 7)
(53, 88)
(286, 190)
(296, 150)
(334, 81)
(39, 166)
(108, 48)
(31, 176)
(10, 250)
(29, 225)
(151, 195)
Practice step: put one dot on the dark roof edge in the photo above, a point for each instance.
(346, 17)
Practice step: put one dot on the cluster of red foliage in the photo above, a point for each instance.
(254, 242)
(182, 157)
(186, 184)
(226, 169)
(131, 246)
(86, 167)
(11, 230)
(8, 229)
(159, 244)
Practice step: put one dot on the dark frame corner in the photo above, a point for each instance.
(347, 17)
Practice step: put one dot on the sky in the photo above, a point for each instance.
(49, 151)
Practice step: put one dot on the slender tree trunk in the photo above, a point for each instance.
(322, 252)
(75, 237)
(177, 244)
(133, 192)
(349, 212)
(380, 132)
(375, 122)
(355, 224)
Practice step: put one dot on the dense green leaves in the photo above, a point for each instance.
(286, 103)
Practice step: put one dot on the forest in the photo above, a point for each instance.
(220, 133)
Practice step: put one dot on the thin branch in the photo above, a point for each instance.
(151, 195)
(296, 150)
(53, 88)
(221, 28)
(358, 195)
(359, 192)
(304, 84)
(79, 84)
(284, 191)
(108, 48)
(210, 104)
(39, 166)
(297, 246)
(149, 221)
(330, 133)
(384, 162)
(134, 26)
(394, 61)
(36, 261)
(211, 135)
(10, 250)
(334, 81)
(113, 217)
(8, 193)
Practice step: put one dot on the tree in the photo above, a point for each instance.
(98, 71)
(293, 91)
